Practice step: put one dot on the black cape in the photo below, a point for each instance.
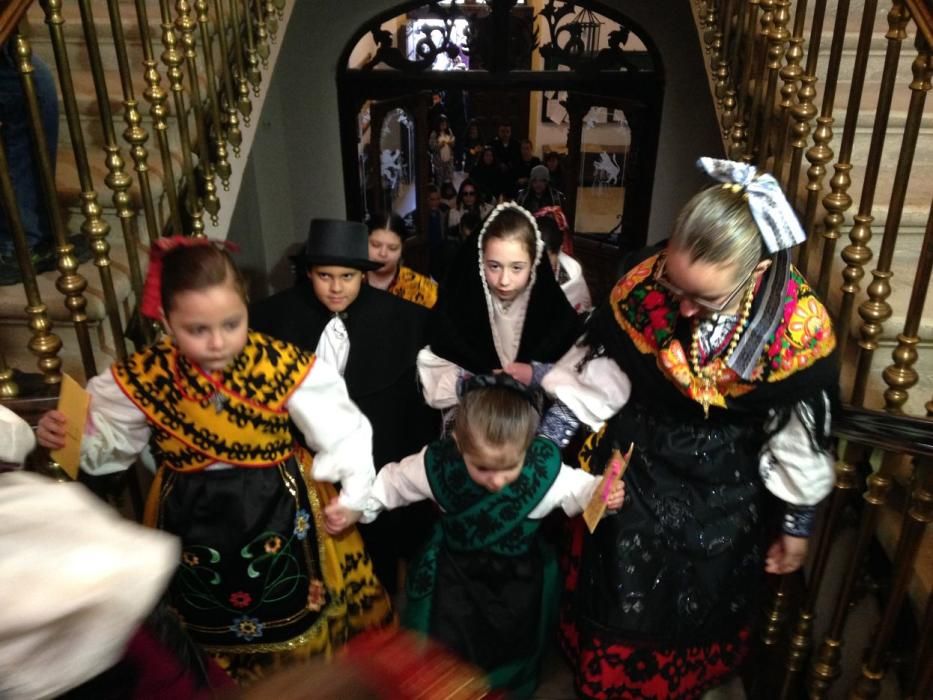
(386, 333)
(460, 329)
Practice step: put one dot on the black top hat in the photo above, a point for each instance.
(336, 242)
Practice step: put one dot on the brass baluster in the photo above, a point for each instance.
(173, 58)
(234, 135)
(777, 615)
(821, 154)
(738, 40)
(919, 514)
(8, 387)
(876, 309)
(222, 166)
(857, 254)
(157, 97)
(44, 344)
(730, 103)
(118, 181)
(800, 642)
(135, 134)
(901, 375)
(803, 112)
(272, 20)
(253, 74)
(262, 32)
(777, 37)
(757, 98)
(825, 667)
(838, 201)
(724, 92)
(772, 624)
(279, 7)
(790, 74)
(70, 282)
(739, 133)
(185, 25)
(708, 22)
(244, 103)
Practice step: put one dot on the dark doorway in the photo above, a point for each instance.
(578, 79)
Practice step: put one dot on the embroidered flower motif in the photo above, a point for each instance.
(317, 595)
(807, 323)
(635, 275)
(302, 523)
(246, 628)
(653, 300)
(673, 359)
(240, 599)
(273, 545)
(190, 558)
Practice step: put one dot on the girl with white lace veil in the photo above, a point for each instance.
(718, 361)
(500, 308)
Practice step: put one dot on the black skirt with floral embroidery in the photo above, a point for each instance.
(249, 555)
(660, 596)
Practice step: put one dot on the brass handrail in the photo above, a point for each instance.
(922, 13)
(10, 17)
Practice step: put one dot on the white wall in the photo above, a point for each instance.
(297, 158)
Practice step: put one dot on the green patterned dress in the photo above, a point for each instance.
(486, 584)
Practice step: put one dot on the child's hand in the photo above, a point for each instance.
(50, 432)
(338, 518)
(786, 555)
(616, 496)
(519, 371)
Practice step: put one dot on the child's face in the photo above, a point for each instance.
(385, 247)
(493, 466)
(209, 325)
(507, 267)
(335, 286)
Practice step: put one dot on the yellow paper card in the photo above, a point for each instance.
(611, 476)
(73, 401)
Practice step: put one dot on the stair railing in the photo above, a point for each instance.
(886, 451)
(212, 53)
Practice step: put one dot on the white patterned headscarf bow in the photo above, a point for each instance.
(776, 220)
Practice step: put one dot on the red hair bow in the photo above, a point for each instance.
(560, 219)
(151, 306)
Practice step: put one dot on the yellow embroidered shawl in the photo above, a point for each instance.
(236, 417)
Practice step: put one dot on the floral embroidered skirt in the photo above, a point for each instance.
(261, 585)
(658, 600)
(608, 666)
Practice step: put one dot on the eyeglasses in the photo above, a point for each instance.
(716, 306)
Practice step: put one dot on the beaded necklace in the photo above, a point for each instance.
(710, 374)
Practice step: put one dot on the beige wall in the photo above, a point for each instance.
(296, 162)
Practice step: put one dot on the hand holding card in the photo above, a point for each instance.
(612, 475)
(73, 402)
